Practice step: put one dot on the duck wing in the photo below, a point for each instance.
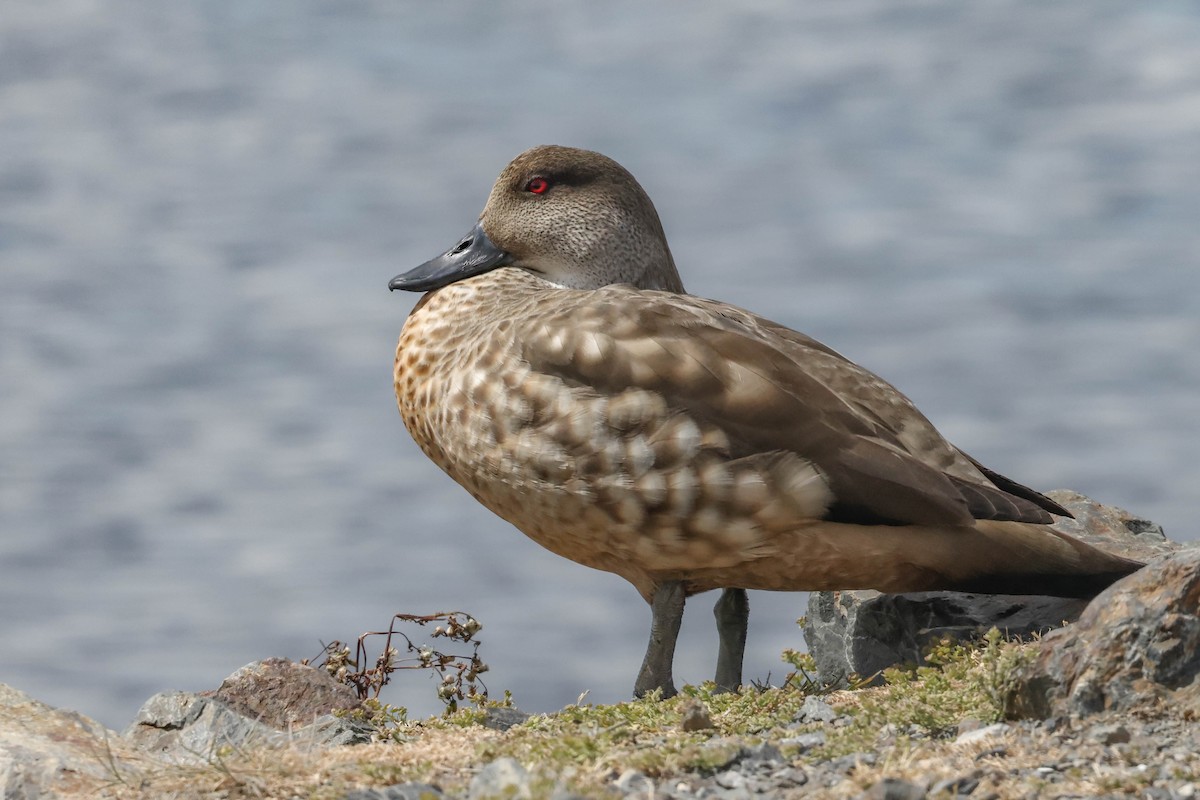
(771, 390)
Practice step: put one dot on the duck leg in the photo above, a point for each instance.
(667, 612)
(733, 617)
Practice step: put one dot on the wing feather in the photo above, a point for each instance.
(770, 389)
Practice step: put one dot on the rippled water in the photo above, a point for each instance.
(201, 203)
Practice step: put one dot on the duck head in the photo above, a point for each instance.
(573, 217)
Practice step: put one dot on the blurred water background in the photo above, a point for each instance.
(994, 205)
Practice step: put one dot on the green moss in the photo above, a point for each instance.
(957, 682)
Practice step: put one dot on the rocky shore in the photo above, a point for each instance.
(1105, 706)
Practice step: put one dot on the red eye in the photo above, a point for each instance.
(537, 186)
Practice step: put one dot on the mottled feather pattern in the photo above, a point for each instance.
(620, 479)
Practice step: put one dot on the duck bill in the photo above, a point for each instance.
(474, 254)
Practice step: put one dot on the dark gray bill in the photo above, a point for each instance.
(473, 255)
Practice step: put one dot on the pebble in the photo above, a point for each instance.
(791, 776)
(400, 791)
(761, 754)
(893, 789)
(635, 784)
(954, 787)
(847, 763)
(502, 718)
(992, 752)
(805, 741)
(695, 716)
(504, 777)
(731, 780)
(1112, 733)
(979, 734)
(815, 709)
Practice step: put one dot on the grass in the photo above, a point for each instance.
(910, 723)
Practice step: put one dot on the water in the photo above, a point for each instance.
(201, 203)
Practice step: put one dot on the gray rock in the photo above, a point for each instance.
(501, 718)
(853, 761)
(48, 752)
(815, 709)
(504, 777)
(635, 784)
(805, 741)
(893, 789)
(1111, 733)
(956, 787)
(717, 793)
(730, 779)
(280, 693)
(863, 632)
(400, 791)
(183, 727)
(979, 734)
(760, 754)
(790, 776)
(1110, 528)
(1137, 644)
(266, 702)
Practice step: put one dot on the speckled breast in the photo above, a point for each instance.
(616, 480)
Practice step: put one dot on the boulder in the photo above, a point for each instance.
(48, 752)
(267, 702)
(863, 632)
(281, 693)
(1137, 644)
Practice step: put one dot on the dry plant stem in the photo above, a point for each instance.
(456, 671)
(732, 612)
(666, 615)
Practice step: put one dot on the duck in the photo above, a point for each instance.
(556, 369)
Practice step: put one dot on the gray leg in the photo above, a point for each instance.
(733, 616)
(667, 611)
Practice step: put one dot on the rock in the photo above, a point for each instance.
(815, 709)
(694, 716)
(893, 789)
(186, 728)
(979, 734)
(632, 783)
(853, 761)
(1137, 643)
(763, 753)
(956, 787)
(1112, 733)
(504, 777)
(280, 693)
(969, 724)
(266, 702)
(730, 779)
(864, 632)
(400, 791)
(48, 752)
(805, 741)
(1112, 529)
(790, 776)
(500, 718)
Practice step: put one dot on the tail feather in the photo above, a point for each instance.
(1034, 559)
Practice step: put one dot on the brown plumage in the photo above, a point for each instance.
(557, 370)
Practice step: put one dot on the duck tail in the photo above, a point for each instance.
(1036, 559)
